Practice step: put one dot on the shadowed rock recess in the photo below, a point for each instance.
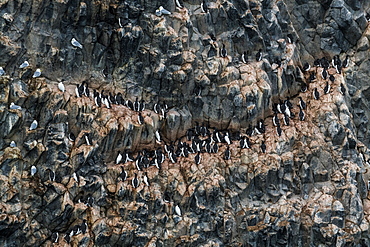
(205, 161)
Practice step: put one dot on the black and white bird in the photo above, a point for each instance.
(259, 55)
(179, 4)
(158, 137)
(197, 158)
(304, 87)
(327, 88)
(178, 210)
(227, 154)
(140, 118)
(51, 175)
(146, 179)
(123, 174)
(316, 94)
(263, 147)
(302, 104)
(223, 51)
(342, 89)
(286, 120)
(12, 144)
(71, 137)
(84, 227)
(324, 74)
(79, 90)
(278, 130)
(55, 237)
(88, 139)
(331, 78)
(119, 158)
(346, 62)
(244, 58)
(301, 115)
(245, 143)
(306, 67)
(61, 87)
(2, 71)
(204, 6)
(135, 182)
(34, 125)
(275, 120)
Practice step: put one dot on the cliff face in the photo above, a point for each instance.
(310, 187)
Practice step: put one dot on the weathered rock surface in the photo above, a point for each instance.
(310, 188)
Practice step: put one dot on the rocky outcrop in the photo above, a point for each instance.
(309, 188)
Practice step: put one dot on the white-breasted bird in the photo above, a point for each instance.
(37, 73)
(33, 170)
(162, 11)
(2, 71)
(61, 87)
(75, 43)
(14, 107)
(178, 210)
(34, 125)
(24, 65)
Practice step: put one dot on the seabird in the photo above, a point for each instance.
(67, 237)
(275, 120)
(123, 174)
(135, 182)
(61, 86)
(312, 77)
(12, 144)
(88, 139)
(331, 78)
(51, 175)
(146, 179)
(178, 210)
(316, 94)
(342, 89)
(227, 154)
(2, 71)
(223, 51)
(76, 177)
(227, 138)
(302, 104)
(33, 125)
(84, 227)
(14, 107)
(136, 105)
(197, 158)
(324, 74)
(24, 65)
(162, 11)
(55, 237)
(79, 90)
(158, 137)
(304, 87)
(71, 137)
(259, 55)
(178, 4)
(327, 88)
(119, 158)
(244, 57)
(75, 43)
(306, 67)
(263, 147)
(301, 115)
(346, 62)
(142, 105)
(37, 73)
(33, 170)
(286, 120)
(203, 6)
(278, 130)
(173, 157)
(317, 63)
(140, 118)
